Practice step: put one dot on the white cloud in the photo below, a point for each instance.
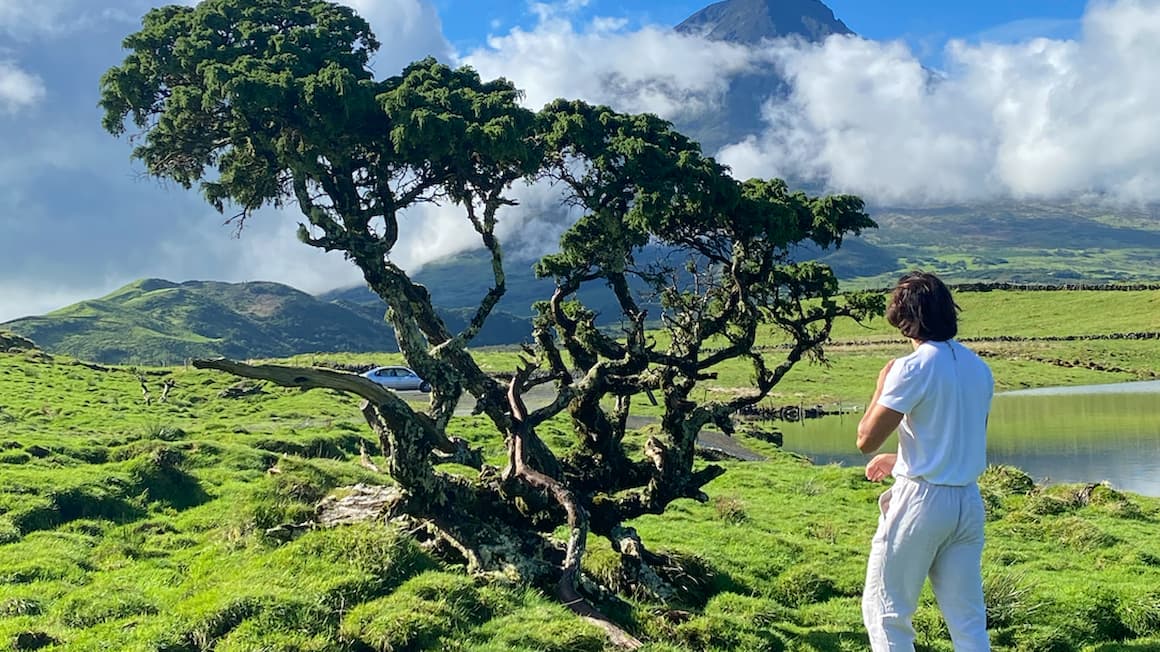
(25, 298)
(267, 249)
(1026, 29)
(80, 218)
(28, 20)
(1038, 119)
(18, 89)
(651, 70)
(408, 30)
(22, 16)
(546, 11)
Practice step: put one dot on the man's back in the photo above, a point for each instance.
(944, 390)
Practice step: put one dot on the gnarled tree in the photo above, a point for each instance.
(272, 103)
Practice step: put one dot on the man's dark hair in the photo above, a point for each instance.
(922, 308)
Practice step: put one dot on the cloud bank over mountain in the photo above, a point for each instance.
(652, 69)
(1040, 118)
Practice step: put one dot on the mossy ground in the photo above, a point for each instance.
(134, 526)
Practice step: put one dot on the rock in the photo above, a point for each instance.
(13, 343)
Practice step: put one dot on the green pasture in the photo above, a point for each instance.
(127, 525)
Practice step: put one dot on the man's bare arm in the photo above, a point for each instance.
(878, 421)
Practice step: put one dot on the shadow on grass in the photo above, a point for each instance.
(839, 640)
(160, 477)
(62, 506)
(1128, 646)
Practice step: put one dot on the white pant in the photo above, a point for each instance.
(926, 529)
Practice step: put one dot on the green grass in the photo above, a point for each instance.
(859, 351)
(1024, 242)
(134, 526)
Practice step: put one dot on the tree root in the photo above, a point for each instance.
(359, 503)
(567, 591)
(639, 562)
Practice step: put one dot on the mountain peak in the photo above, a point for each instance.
(751, 21)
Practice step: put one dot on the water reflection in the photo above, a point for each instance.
(1146, 387)
(1088, 434)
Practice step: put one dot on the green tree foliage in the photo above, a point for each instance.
(272, 102)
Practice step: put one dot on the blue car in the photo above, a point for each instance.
(397, 378)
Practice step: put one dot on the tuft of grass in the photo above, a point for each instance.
(420, 614)
(106, 601)
(1004, 481)
(537, 627)
(1115, 503)
(160, 477)
(1033, 638)
(15, 457)
(379, 556)
(1140, 613)
(1090, 614)
(802, 585)
(32, 640)
(1080, 534)
(694, 577)
(930, 627)
(162, 432)
(730, 509)
(23, 606)
(255, 634)
(9, 532)
(735, 622)
(1010, 599)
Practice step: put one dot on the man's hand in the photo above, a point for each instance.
(881, 466)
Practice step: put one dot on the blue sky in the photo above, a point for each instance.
(924, 24)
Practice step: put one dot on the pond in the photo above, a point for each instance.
(1072, 434)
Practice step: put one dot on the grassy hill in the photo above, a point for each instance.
(459, 282)
(134, 526)
(157, 322)
(1050, 243)
(1021, 242)
(154, 321)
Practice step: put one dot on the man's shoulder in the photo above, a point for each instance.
(922, 355)
(973, 354)
(940, 354)
(978, 366)
(914, 365)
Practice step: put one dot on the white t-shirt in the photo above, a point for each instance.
(944, 391)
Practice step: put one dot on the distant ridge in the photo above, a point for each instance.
(157, 322)
(154, 321)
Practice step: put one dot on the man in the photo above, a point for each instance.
(931, 521)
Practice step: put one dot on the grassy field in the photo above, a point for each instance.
(127, 525)
(1024, 242)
